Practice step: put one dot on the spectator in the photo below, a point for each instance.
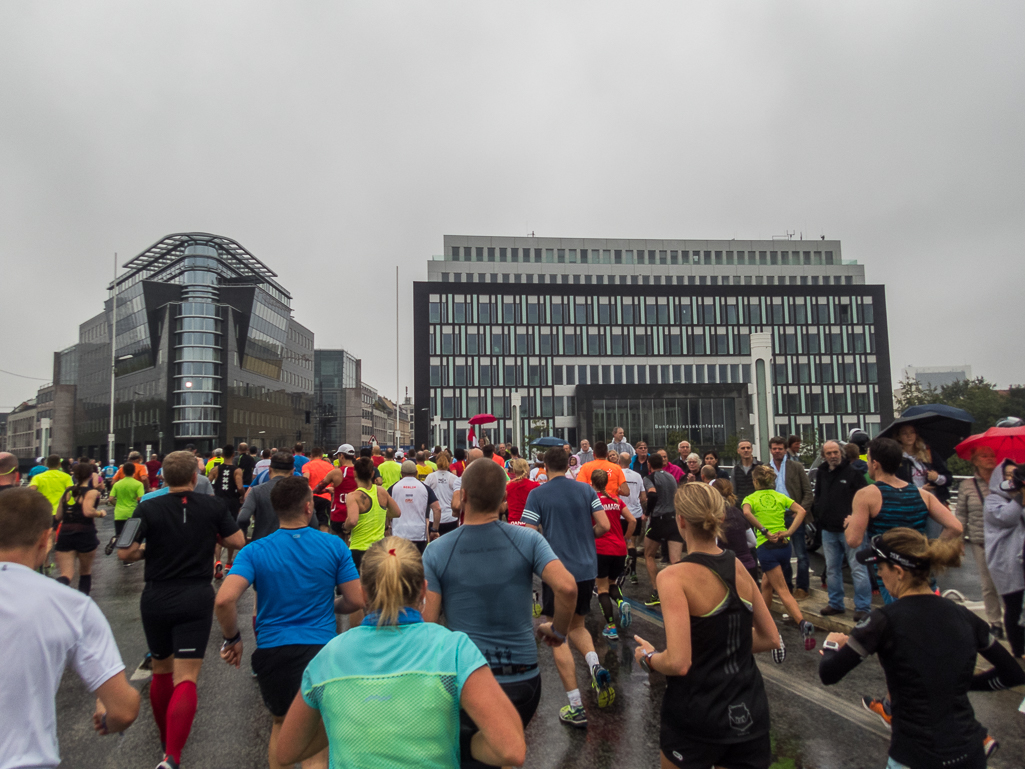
(743, 481)
(794, 447)
(585, 454)
(619, 443)
(923, 468)
(668, 466)
(971, 512)
(639, 461)
(682, 452)
(693, 471)
(1004, 525)
(837, 483)
(711, 459)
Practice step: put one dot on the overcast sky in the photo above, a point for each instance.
(335, 141)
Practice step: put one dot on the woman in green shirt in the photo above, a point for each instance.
(388, 692)
(765, 510)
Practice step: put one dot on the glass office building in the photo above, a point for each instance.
(207, 353)
(585, 337)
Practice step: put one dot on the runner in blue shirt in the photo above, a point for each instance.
(295, 560)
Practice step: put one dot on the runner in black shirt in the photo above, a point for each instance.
(227, 480)
(928, 673)
(181, 530)
(246, 462)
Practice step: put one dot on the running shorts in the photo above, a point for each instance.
(357, 557)
(322, 510)
(584, 593)
(279, 672)
(610, 566)
(771, 557)
(176, 618)
(445, 528)
(77, 541)
(756, 753)
(663, 528)
(338, 527)
(525, 696)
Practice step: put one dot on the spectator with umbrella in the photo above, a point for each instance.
(1004, 523)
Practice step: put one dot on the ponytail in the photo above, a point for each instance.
(702, 507)
(764, 477)
(938, 554)
(393, 578)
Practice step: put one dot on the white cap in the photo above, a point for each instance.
(347, 449)
(400, 454)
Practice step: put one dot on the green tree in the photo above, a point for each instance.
(728, 455)
(811, 447)
(911, 393)
(979, 398)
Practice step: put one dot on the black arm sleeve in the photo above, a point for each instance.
(1004, 674)
(652, 499)
(836, 664)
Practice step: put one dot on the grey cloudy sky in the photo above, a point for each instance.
(336, 140)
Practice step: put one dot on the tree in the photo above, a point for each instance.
(811, 447)
(729, 450)
(979, 398)
(911, 393)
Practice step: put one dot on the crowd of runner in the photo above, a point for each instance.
(397, 618)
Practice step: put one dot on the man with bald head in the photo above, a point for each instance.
(9, 476)
(835, 487)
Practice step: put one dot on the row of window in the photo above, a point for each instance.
(649, 280)
(512, 373)
(647, 341)
(839, 400)
(636, 256)
(663, 310)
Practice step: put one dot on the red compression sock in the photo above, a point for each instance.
(160, 690)
(179, 718)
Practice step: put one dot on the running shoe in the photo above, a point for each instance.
(653, 601)
(879, 708)
(808, 632)
(634, 580)
(626, 616)
(780, 654)
(573, 716)
(601, 682)
(168, 763)
(218, 570)
(610, 632)
(228, 567)
(989, 745)
(110, 546)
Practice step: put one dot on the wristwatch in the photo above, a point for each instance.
(832, 646)
(646, 660)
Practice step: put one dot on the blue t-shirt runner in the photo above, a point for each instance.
(564, 509)
(485, 576)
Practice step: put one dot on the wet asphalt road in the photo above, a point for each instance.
(812, 726)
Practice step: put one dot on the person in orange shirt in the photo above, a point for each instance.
(141, 473)
(314, 472)
(616, 485)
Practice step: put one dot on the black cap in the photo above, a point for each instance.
(878, 551)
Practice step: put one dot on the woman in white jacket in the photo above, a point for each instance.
(1004, 524)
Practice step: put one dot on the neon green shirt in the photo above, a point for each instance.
(370, 526)
(128, 492)
(769, 507)
(51, 485)
(391, 473)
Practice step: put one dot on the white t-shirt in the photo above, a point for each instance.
(636, 484)
(411, 496)
(444, 484)
(43, 626)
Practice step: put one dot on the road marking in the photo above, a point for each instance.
(834, 704)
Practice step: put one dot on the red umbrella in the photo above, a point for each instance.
(482, 419)
(1007, 442)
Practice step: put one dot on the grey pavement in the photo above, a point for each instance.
(812, 726)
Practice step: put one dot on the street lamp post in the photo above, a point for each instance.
(113, 364)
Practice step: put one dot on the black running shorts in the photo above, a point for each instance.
(756, 753)
(279, 672)
(663, 528)
(525, 696)
(77, 541)
(610, 566)
(176, 619)
(584, 593)
(322, 510)
(357, 557)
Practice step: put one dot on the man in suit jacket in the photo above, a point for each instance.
(792, 480)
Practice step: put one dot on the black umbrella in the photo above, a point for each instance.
(942, 427)
(548, 441)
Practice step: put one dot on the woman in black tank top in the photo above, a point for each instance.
(715, 711)
(76, 537)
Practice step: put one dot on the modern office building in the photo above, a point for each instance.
(710, 340)
(207, 353)
(935, 377)
(337, 377)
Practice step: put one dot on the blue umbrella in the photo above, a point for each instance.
(942, 427)
(548, 441)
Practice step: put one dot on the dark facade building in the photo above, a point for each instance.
(207, 353)
(704, 339)
(336, 381)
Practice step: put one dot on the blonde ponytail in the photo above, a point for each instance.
(702, 507)
(393, 578)
(940, 554)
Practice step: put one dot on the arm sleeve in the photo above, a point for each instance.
(346, 567)
(468, 659)
(543, 554)
(95, 656)
(431, 496)
(836, 664)
(863, 641)
(244, 566)
(431, 573)
(596, 506)
(531, 510)
(1004, 674)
